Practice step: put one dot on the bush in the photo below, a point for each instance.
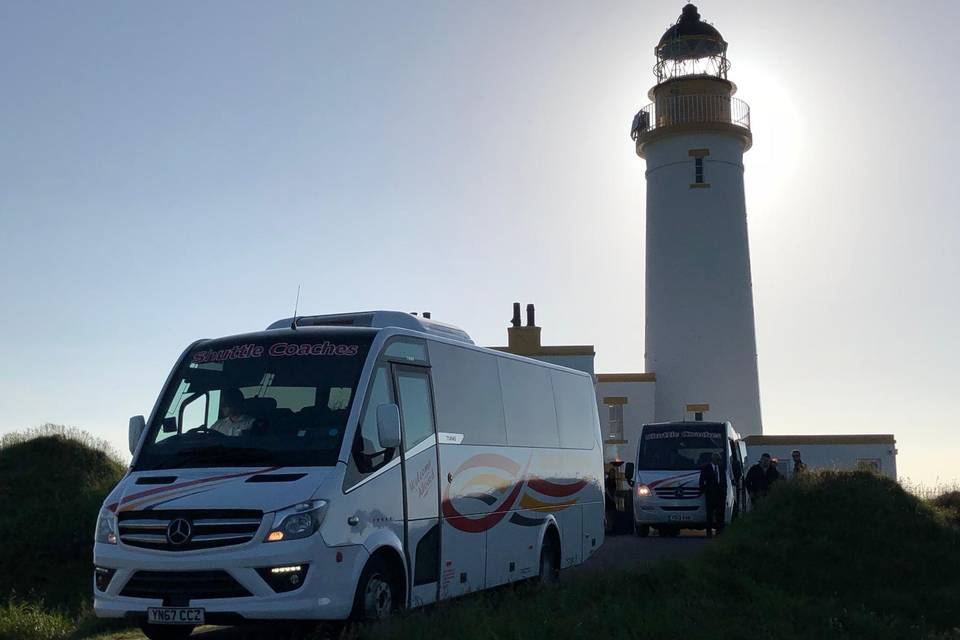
(949, 504)
(52, 482)
(833, 555)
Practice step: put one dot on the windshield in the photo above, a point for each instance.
(277, 402)
(679, 448)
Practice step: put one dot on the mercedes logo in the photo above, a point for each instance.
(679, 492)
(179, 531)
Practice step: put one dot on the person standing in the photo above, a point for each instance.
(773, 474)
(799, 468)
(713, 486)
(756, 481)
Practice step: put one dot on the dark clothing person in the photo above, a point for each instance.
(772, 476)
(757, 482)
(713, 485)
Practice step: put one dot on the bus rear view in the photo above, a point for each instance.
(666, 491)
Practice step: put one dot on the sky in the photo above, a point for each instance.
(171, 171)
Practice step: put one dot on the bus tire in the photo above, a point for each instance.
(550, 558)
(165, 632)
(378, 592)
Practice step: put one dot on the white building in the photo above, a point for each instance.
(875, 452)
(701, 353)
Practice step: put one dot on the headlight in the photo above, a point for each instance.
(106, 527)
(643, 490)
(298, 521)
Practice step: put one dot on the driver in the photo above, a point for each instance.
(233, 421)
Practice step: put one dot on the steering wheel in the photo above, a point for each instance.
(207, 432)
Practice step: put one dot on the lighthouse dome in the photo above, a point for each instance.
(690, 38)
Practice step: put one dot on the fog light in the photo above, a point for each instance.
(102, 577)
(285, 578)
(293, 569)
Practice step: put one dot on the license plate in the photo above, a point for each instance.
(681, 517)
(174, 615)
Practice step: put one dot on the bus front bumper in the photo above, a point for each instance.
(326, 592)
(682, 513)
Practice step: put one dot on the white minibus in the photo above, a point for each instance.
(347, 466)
(666, 475)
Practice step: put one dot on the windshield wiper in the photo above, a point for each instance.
(216, 455)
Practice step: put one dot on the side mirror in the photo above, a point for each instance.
(388, 425)
(134, 431)
(628, 473)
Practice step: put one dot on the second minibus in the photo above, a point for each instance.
(666, 473)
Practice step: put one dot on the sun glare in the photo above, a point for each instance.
(778, 130)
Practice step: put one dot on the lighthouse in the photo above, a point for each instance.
(700, 337)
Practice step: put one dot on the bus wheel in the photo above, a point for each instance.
(377, 592)
(165, 632)
(549, 559)
(642, 530)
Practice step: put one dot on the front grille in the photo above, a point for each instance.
(206, 529)
(678, 493)
(683, 508)
(183, 585)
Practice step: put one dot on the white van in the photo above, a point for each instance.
(666, 475)
(347, 465)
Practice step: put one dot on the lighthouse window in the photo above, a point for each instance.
(698, 170)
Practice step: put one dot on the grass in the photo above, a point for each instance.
(27, 621)
(949, 504)
(52, 483)
(834, 555)
(837, 555)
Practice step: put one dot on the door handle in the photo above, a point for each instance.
(449, 477)
(353, 521)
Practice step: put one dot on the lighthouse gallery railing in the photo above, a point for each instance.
(671, 110)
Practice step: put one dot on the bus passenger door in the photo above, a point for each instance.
(735, 501)
(421, 497)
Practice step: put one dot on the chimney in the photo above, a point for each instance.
(516, 315)
(523, 340)
(426, 314)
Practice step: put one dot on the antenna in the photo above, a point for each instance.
(293, 323)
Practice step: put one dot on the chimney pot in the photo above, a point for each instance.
(531, 317)
(516, 315)
(426, 314)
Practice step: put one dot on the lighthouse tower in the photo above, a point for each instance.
(700, 339)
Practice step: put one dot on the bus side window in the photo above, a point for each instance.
(367, 455)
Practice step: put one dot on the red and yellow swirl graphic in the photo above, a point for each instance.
(485, 497)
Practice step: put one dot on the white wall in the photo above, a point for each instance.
(700, 338)
(843, 457)
(638, 410)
